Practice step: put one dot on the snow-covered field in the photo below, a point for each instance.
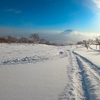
(42, 72)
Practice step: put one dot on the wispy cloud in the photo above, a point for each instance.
(18, 11)
(97, 2)
(6, 31)
(13, 10)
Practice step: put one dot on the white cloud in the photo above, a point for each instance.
(74, 36)
(68, 36)
(97, 2)
(94, 6)
(13, 10)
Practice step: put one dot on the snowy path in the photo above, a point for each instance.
(91, 77)
(84, 79)
(73, 90)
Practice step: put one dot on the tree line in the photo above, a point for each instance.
(86, 43)
(33, 38)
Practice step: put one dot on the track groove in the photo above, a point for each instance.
(91, 78)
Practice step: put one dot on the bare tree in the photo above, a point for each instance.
(34, 37)
(86, 43)
(23, 40)
(11, 39)
(97, 40)
(79, 42)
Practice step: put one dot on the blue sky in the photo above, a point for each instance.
(50, 15)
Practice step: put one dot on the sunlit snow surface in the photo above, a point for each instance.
(42, 72)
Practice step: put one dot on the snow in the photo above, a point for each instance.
(42, 81)
(42, 72)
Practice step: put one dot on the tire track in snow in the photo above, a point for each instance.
(83, 80)
(73, 90)
(91, 77)
(90, 63)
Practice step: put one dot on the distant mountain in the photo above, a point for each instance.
(68, 31)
